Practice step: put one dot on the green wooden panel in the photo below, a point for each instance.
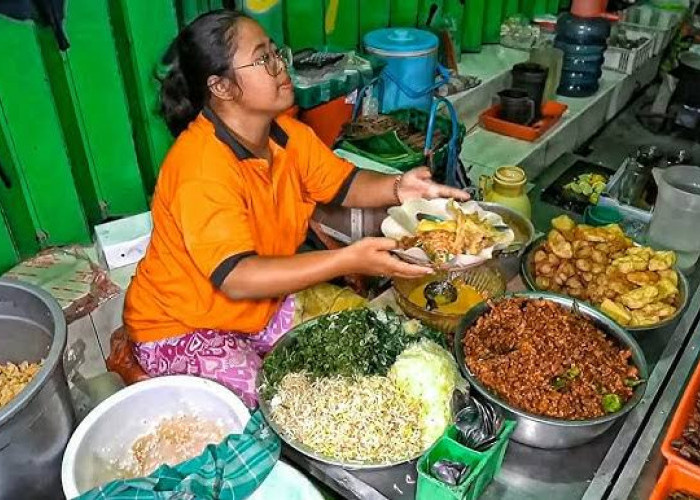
(95, 118)
(510, 8)
(270, 15)
(19, 215)
(404, 12)
(374, 14)
(187, 11)
(8, 254)
(341, 24)
(143, 32)
(35, 139)
(304, 22)
(473, 25)
(493, 17)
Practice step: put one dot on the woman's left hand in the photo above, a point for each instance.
(418, 183)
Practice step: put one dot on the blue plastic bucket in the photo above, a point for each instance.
(408, 79)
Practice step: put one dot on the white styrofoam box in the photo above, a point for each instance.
(123, 242)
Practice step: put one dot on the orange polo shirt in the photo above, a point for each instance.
(216, 204)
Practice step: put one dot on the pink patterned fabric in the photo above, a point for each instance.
(230, 358)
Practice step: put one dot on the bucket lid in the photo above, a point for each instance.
(406, 41)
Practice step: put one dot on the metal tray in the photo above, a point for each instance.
(546, 432)
(527, 268)
(266, 410)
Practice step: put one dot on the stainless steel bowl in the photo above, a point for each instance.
(527, 271)
(546, 432)
(266, 410)
(524, 234)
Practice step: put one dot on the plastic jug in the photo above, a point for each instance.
(507, 187)
(674, 223)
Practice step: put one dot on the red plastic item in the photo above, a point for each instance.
(673, 479)
(680, 419)
(328, 119)
(592, 8)
(552, 111)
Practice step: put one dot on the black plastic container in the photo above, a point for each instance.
(532, 78)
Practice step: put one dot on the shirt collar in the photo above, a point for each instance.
(223, 133)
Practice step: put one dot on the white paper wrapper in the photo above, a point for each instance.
(403, 221)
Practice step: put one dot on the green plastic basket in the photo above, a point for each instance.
(485, 466)
(405, 158)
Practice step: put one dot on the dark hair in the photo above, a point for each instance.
(202, 49)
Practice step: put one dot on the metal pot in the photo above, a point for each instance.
(547, 432)
(36, 424)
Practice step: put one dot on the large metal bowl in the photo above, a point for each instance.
(546, 432)
(524, 234)
(527, 271)
(297, 445)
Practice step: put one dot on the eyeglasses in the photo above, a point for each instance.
(274, 61)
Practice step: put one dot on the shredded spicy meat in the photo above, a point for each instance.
(541, 358)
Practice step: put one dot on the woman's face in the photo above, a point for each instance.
(259, 90)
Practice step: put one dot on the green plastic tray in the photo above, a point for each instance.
(485, 466)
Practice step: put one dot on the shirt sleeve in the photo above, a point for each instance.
(214, 221)
(326, 177)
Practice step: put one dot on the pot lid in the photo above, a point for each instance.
(400, 40)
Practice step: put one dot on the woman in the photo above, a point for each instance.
(232, 205)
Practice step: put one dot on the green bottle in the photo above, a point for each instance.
(374, 15)
(472, 25)
(269, 14)
(404, 13)
(552, 6)
(341, 24)
(492, 21)
(304, 24)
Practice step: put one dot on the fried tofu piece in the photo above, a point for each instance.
(563, 223)
(642, 278)
(662, 261)
(616, 312)
(540, 256)
(641, 319)
(543, 282)
(630, 263)
(666, 289)
(659, 309)
(670, 275)
(643, 252)
(559, 246)
(639, 297)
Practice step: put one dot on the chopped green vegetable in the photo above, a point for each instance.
(348, 343)
(611, 403)
(572, 372)
(560, 383)
(633, 382)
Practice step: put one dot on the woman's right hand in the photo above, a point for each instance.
(371, 257)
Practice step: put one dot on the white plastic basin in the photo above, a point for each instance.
(111, 428)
